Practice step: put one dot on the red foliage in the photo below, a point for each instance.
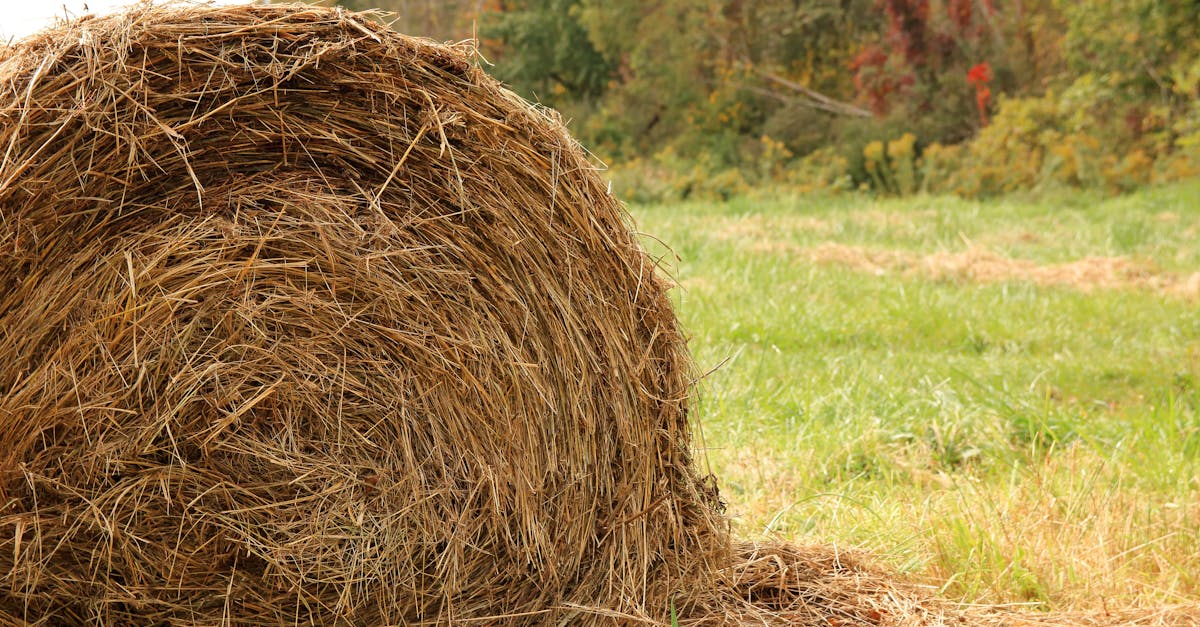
(908, 34)
(979, 76)
(983, 95)
(908, 28)
(875, 81)
(965, 16)
(961, 13)
(916, 46)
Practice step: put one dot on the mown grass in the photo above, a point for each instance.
(1010, 437)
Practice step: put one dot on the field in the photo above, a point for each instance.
(998, 399)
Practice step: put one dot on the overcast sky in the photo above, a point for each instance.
(23, 17)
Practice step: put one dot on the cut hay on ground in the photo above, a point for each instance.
(302, 320)
(977, 265)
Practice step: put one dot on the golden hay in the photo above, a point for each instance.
(302, 320)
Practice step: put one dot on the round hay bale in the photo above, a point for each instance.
(302, 320)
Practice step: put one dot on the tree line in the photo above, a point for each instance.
(710, 86)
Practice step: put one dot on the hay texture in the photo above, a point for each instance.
(305, 321)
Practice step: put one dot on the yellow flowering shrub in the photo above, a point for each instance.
(902, 156)
(875, 161)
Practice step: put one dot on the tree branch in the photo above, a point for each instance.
(810, 97)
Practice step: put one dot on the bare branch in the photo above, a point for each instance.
(810, 97)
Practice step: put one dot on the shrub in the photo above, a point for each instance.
(822, 170)
(668, 177)
(1074, 139)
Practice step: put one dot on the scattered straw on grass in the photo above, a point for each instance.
(1183, 615)
(978, 265)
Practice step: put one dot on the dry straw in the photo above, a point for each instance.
(305, 321)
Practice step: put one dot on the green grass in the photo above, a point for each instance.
(932, 380)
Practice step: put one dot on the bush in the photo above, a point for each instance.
(667, 177)
(940, 169)
(822, 170)
(1074, 140)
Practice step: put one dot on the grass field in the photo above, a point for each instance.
(1000, 399)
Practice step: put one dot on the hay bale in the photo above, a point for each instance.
(302, 320)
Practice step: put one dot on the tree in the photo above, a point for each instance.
(1145, 46)
(543, 50)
